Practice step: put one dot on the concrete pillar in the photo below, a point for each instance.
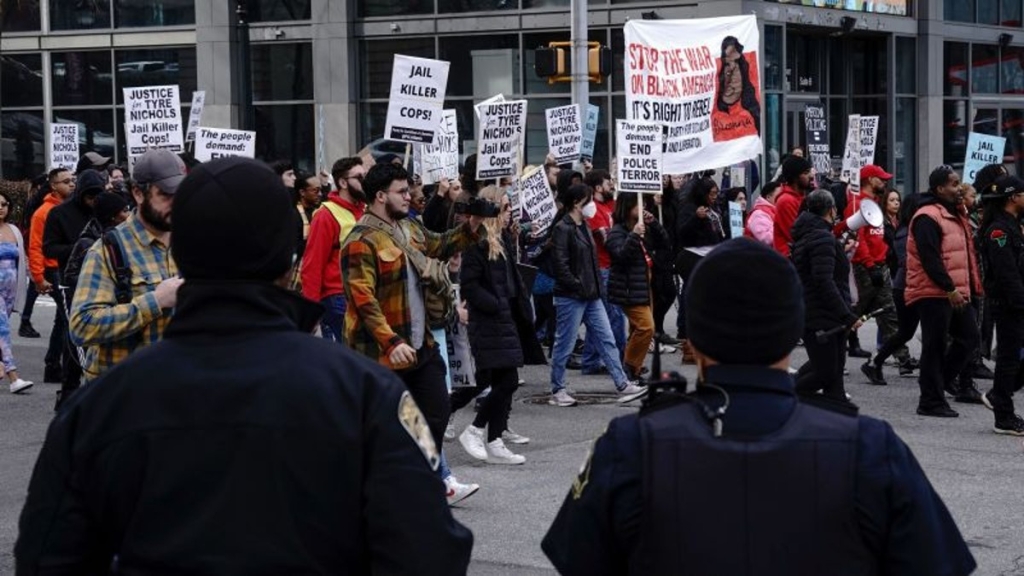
(335, 85)
(214, 19)
(930, 87)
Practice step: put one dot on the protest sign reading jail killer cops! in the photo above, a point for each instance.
(152, 117)
(195, 114)
(590, 133)
(220, 143)
(565, 133)
(700, 78)
(417, 98)
(64, 146)
(982, 150)
(440, 159)
(500, 136)
(638, 146)
(817, 139)
(538, 202)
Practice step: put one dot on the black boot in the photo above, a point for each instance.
(967, 392)
(26, 330)
(855, 351)
(52, 374)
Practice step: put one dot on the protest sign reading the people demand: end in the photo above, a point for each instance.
(64, 146)
(501, 134)
(590, 133)
(982, 150)
(152, 117)
(700, 78)
(441, 158)
(565, 133)
(417, 98)
(817, 139)
(538, 202)
(638, 146)
(220, 142)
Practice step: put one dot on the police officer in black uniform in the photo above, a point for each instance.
(742, 477)
(240, 444)
(1003, 252)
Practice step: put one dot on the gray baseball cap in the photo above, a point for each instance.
(161, 168)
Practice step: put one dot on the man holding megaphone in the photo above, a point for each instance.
(870, 272)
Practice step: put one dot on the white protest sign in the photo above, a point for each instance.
(565, 133)
(638, 147)
(461, 365)
(589, 133)
(496, 99)
(868, 139)
(982, 150)
(195, 114)
(735, 220)
(441, 158)
(500, 136)
(851, 155)
(538, 202)
(221, 142)
(153, 119)
(417, 97)
(64, 146)
(700, 77)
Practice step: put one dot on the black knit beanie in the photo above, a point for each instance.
(793, 167)
(108, 205)
(233, 219)
(744, 304)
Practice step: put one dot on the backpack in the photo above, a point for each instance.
(121, 271)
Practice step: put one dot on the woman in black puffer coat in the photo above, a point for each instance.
(629, 280)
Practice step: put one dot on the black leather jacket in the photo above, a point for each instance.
(574, 261)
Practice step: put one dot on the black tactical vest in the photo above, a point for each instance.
(781, 504)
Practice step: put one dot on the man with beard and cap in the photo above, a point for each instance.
(321, 464)
(743, 476)
(320, 272)
(796, 182)
(129, 282)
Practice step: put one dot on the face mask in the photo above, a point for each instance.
(589, 210)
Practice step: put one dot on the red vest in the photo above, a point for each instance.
(958, 257)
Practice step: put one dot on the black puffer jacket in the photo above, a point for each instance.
(500, 316)
(693, 231)
(628, 280)
(824, 272)
(65, 222)
(574, 261)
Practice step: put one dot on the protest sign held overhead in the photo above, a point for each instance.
(868, 139)
(982, 150)
(565, 133)
(440, 159)
(220, 143)
(152, 117)
(700, 78)
(64, 146)
(590, 133)
(538, 202)
(195, 114)
(817, 139)
(417, 97)
(502, 128)
(851, 155)
(638, 146)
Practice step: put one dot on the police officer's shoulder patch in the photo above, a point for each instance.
(583, 478)
(416, 425)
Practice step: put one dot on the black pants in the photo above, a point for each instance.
(71, 368)
(544, 312)
(663, 288)
(30, 302)
(59, 335)
(907, 320)
(939, 364)
(494, 411)
(1009, 326)
(427, 383)
(824, 368)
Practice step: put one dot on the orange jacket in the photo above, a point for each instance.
(37, 263)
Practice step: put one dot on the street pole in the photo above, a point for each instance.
(580, 77)
(242, 65)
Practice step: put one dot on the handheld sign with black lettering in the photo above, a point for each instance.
(565, 133)
(417, 98)
(153, 119)
(639, 148)
(817, 139)
(195, 114)
(441, 158)
(851, 155)
(537, 200)
(501, 134)
(220, 143)
(64, 146)
(982, 150)
(590, 133)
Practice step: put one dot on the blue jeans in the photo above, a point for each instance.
(617, 321)
(333, 321)
(443, 470)
(570, 312)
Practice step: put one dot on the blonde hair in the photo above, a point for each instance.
(495, 247)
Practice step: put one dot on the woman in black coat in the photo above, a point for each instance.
(700, 222)
(501, 336)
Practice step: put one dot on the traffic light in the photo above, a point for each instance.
(551, 61)
(599, 62)
(554, 61)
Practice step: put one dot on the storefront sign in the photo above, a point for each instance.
(565, 133)
(638, 146)
(982, 150)
(64, 146)
(817, 139)
(501, 134)
(700, 78)
(590, 133)
(153, 119)
(214, 143)
(417, 97)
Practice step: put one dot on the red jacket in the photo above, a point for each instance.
(602, 221)
(787, 207)
(321, 262)
(871, 246)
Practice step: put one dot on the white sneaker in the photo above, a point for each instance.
(449, 432)
(457, 491)
(473, 440)
(562, 398)
(497, 453)
(631, 392)
(20, 385)
(510, 436)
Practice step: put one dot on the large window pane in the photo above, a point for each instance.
(1013, 130)
(906, 65)
(988, 11)
(984, 69)
(482, 65)
(954, 132)
(985, 121)
(957, 79)
(959, 10)
(536, 130)
(19, 15)
(369, 8)
(175, 66)
(22, 144)
(374, 117)
(285, 132)
(1011, 70)
(838, 66)
(378, 58)
(875, 107)
(282, 72)
(838, 123)
(618, 72)
(803, 62)
(95, 129)
(277, 10)
(905, 154)
(79, 15)
(773, 58)
(444, 6)
(137, 13)
(21, 80)
(1011, 13)
(869, 65)
(81, 78)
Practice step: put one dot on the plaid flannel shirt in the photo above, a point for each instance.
(375, 273)
(109, 331)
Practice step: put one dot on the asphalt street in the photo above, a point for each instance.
(980, 475)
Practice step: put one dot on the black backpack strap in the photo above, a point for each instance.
(122, 272)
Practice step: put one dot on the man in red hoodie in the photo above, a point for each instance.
(796, 182)
(321, 262)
